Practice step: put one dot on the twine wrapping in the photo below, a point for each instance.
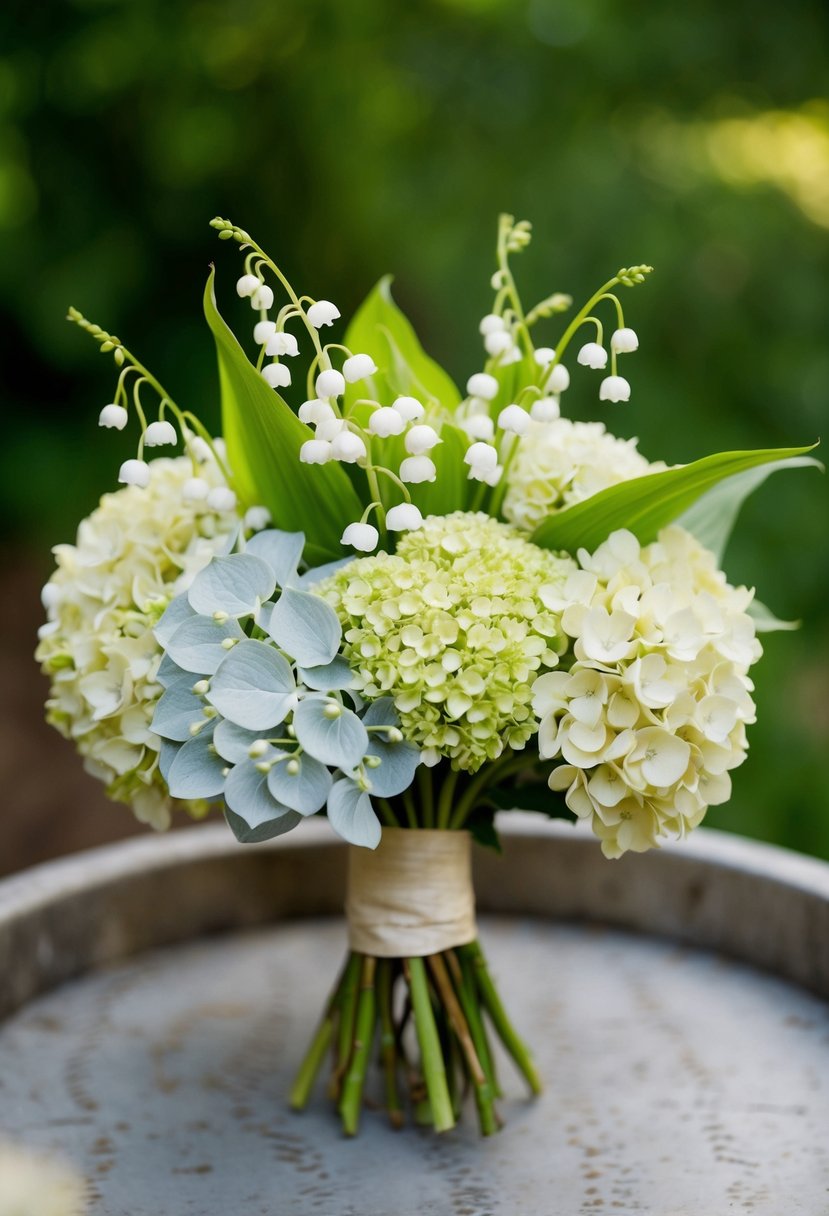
(413, 895)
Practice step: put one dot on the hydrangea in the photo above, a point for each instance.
(254, 710)
(454, 627)
(133, 554)
(562, 462)
(651, 716)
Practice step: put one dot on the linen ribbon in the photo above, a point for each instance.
(412, 895)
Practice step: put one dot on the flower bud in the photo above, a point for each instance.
(276, 375)
(357, 367)
(491, 324)
(482, 385)
(247, 285)
(614, 388)
(263, 331)
(479, 426)
(292, 767)
(558, 379)
(158, 434)
(283, 345)
(199, 448)
(258, 749)
(624, 341)
(134, 473)
(322, 313)
(332, 710)
(348, 447)
(315, 451)
(364, 537)
(409, 408)
(405, 517)
(221, 498)
(416, 469)
(330, 383)
(113, 415)
(420, 439)
(514, 419)
(201, 687)
(497, 343)
(544, 356)
(545, 409)
(592, 355)
(330, 428)
(257, 518)
(195, 489)
(385, 421)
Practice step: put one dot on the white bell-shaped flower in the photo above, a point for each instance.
(514, 419)
(498, 342)
(405, 517)
(348, 447)
(482, 385)
(315, 411)
(159, 434)
(195, 489)
(322, 313)
(257, 518)
(134, 473)
(478, 426)
(481, 458)
(513, 355)
(247, 285)
(385, 421)
(490, 477)
(558, 379)
(592, 355)
(357, 367)
(277, 375)
(315, 451)
(330, 383)
(282, 345)
(330, 428)
(199, 448)
(416, 469)
(545, 409)
(409, 408)
(113, 415)
(421, 438)
(544, 356)
(221, 498)
(624, 341)
(614, 388)
(492, 324)
(361, 536)
(262, 297)
(263, 331)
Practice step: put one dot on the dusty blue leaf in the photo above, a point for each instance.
(234, 742)
(197, 771)
(340, 742)
(247, 795)
(352, 815)
(263, 831)
(281, 550)
(236, 585)
(196, 646)
(175, 614)
(328, 677)
(254, 686)
(177, 709)
(304, 791)
(306, 627)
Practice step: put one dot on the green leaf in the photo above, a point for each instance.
(765, 621)
(381, 330)
(712, 517)
(647, 504)
(263, 437)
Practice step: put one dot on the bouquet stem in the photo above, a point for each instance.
(454, 1006)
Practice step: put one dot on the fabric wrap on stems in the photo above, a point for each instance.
(412, 895)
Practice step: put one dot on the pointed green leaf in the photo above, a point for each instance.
(381, 330)
(647, 504)
(263, 437)
(712, 517)
(765, 621)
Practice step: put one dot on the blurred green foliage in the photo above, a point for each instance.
(359, 138)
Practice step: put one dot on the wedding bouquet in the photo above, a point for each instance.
(535, 616)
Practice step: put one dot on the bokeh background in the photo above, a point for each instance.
(358, 138)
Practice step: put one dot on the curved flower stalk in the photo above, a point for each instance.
(137, 551)
(254, 710)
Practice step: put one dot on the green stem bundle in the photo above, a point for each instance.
(454, 1005)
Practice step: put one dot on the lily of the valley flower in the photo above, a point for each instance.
(362, 536)
(624, 341)
(134, 473)
(330, 383)
(276, 375)
(592, 355)
(405, 517)
(323, 312)
(357, 367)
(417, 469)
(113, 415)
(482, 385)
(158, 434)
(614, 388)
(514, 419)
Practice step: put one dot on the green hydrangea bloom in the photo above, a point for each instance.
(455, 626)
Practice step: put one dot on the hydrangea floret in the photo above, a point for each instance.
(254, 714)
(453, 627)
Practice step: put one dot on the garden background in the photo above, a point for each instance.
(364, 137)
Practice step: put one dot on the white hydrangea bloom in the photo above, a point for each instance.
(35, 1183)
(560, 462)
(133, 554)
(651, 717)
